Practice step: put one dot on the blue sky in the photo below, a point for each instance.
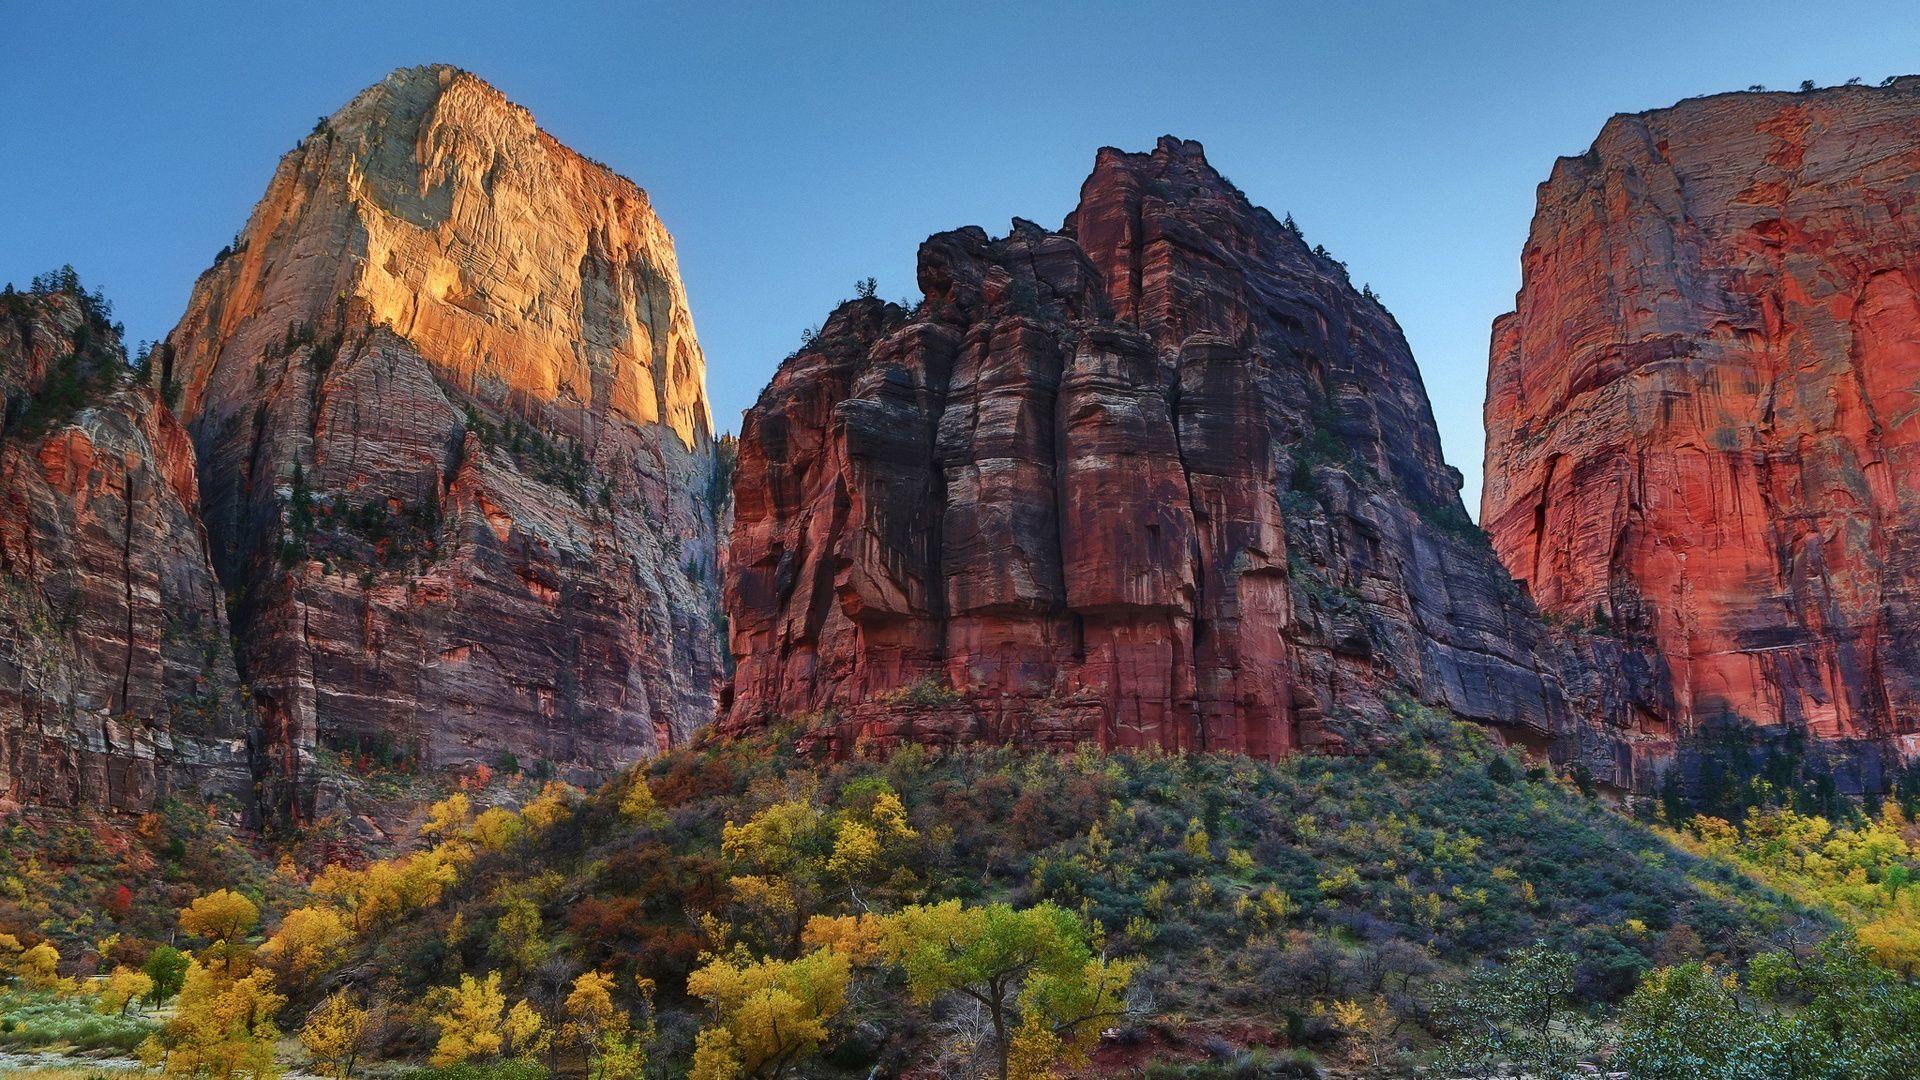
(793, 149)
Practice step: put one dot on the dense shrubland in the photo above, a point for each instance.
(1203, 905)
(737, 909)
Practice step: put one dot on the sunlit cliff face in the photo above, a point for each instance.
(1701, 416)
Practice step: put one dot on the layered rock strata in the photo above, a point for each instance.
(1161, 477)
(1703, 415)
(117, 685)
(454, 444)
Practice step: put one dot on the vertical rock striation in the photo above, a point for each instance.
(117, 685)
(454, 445)
(1159, 478)
(1703, 415)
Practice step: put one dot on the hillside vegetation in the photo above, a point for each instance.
(1316, 907)
(739, 909)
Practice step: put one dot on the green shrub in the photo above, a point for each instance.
(32, 1020)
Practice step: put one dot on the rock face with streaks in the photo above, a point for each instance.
(1703, 415)
(454, 447)
(1161, 477)
(117, 685)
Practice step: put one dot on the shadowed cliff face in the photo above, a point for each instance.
(1703, 417)
(117, 687)
(454, 446)
(1160, 478)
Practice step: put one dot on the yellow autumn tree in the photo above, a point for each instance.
(589, 1008)
(334, 1035)
(449, 817)
(221, 915)
(384, 891)
(1368, 1025)
(476, 1024)
(221, 1027)
(10, 950)
(518, 935)
(38, 967)
(1031, 969)
(623, 1047)
(469, 1020)
(526, 1032)
(1893, 940)
(496, 828)
(767, 1014)
(307, 941)
(790, 856)
(599, 1031)
(224, 918)
(553, 805)
(1862, 871)
(122, 988)
(861, 937)
(637, 806)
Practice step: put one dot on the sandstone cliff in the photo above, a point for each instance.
(1703, 416)
(117, 686)
(1162, 477)
(454, 445)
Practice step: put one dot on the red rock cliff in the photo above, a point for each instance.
(1703, 416)
(117, 686)
(1159, 478)
(454, 444)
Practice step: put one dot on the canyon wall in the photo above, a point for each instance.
(1703, 415)
(117, 683)
(454, 448)
(1161, 477)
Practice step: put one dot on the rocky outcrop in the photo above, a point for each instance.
(454, 446)
(1703, 416)
(1162, 477)
(117, 685)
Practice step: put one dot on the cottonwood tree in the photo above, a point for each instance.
(224, 918)
(38, 967)
(121, 989)
(167, 967)
(769, 1014)
(601, 1033)
(475, 1023)
(222, 1026)
(308, 940)
(1032, 970)
(335, 1034)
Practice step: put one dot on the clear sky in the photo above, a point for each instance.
(795, 148)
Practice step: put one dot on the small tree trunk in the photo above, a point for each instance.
(1000, 1047)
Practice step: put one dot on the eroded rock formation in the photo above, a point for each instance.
(1703, 416)
(117, 685)
(454, 446)
(1161, 477)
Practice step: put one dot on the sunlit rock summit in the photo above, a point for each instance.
(454, 447)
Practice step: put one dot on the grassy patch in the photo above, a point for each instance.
(42, 1020)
